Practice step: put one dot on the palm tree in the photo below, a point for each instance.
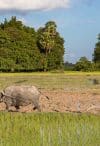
(47, 35)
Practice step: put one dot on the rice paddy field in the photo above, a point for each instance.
(51, 129)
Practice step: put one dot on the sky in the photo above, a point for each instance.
(78, 21)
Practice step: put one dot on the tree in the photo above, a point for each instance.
(46, 37)
(51, 45)
(18, 47)
(96, 55)
(24, 49)
(83, 65)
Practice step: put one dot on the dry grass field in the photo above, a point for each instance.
(68, 91)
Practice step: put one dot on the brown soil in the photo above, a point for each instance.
(63, 101)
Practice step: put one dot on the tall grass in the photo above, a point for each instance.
(49, 129)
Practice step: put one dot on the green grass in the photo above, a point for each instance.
(49, 129)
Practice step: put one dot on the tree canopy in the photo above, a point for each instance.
(22, 48)
(83, 64)
(96, 55)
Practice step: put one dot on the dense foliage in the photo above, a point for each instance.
(24, 49)
(96, 55)
(83, 64)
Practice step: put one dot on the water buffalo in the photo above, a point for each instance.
(20, 96)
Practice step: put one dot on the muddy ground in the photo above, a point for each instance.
(64, 101)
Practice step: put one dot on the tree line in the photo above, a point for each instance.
(22, 48)
(83, 64)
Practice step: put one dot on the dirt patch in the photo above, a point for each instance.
(64, 101)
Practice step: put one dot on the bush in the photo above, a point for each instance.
(84, 65)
